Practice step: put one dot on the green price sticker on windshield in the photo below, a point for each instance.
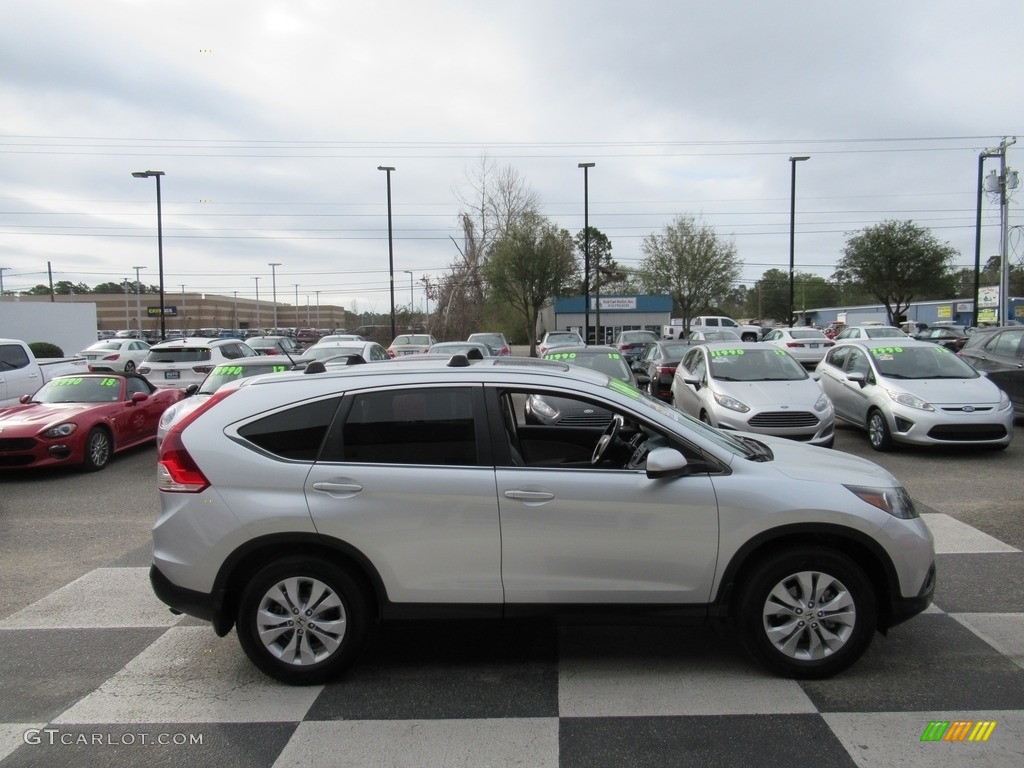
(560, 356)
(726, 352)
(228, 370)
(69, 382)
(886, 350)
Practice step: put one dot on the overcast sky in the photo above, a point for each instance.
(269, 119)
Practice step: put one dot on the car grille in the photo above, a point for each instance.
(17, 444)
(783, 420)
(960, 408)
(967, 432)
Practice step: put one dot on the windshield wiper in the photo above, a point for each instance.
(761, 451)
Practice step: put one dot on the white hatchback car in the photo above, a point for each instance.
(119, 354)
(807, 345)
(916, 392)
(753, 387)
(302, 508)
(183, 362)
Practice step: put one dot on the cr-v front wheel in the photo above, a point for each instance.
(302, 620)
(807, 613)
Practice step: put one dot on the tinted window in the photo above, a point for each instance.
(408, 426)
(1006, 343)
(296, 433)
(179, 355)
(12, 356)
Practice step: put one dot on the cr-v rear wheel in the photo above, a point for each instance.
(807, 612)
(302, 621)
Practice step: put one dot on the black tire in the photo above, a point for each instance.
(878, 431)
(129, 367)
(98, 449)
(298, 598)
(705, 418)
(806, 613)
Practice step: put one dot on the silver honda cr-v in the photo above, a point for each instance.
(302, 508)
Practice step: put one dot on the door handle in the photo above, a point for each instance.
(328, 487)
(529, 495)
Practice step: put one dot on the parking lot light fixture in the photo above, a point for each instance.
(586, 253)
(159, 244)
(273, 288)
(391, 250)
(790, 321)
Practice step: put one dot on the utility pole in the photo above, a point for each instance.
(1006, 180)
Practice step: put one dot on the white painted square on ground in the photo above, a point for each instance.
(500, 743)
(953, 537)
(101, 599)
(189, 675)
(893, 739)
(684, 673)
(13, 735)
(1003, 631)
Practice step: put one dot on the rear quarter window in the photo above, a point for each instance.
(295, 433)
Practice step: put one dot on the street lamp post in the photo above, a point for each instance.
(792, 228)
(138, 309)
(391, 250)
(273, 287)
(2, 270)
(586, 252)
(259, 324)
(317, 309)
(159, 243)
(297, 307)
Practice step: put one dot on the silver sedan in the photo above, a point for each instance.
(915, 392)
(753, 387)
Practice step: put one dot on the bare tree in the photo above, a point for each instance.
(493, 200)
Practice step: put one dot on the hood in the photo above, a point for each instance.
(941, 391)
(35, 416)
(802, 393)
(808, 462)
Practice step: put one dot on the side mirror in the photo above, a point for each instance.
(191, 389)
(139, 397)
(857, 378)
(693, 381)
(666, 462)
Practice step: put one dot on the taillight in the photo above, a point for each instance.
(177, 471)
(202, 368)
(793, 344)
(666, 370)
(112, 357)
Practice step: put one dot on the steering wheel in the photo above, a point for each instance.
(607, 438)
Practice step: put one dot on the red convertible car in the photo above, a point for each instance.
(82, 419)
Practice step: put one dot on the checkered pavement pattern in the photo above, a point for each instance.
(99, 673)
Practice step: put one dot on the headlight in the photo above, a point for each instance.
(909, 400)
(61, 430)
(895, 501)
(1004, 401)
(168, 416)
(543, 409)
(823, 403)
(730, 402)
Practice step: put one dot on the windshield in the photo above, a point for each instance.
(754, 365)
(222, 374)
(609, 363)
(930, 362)
(333, 350)
(80, 389)
(178, 355)
(884, 333)
(731, 443)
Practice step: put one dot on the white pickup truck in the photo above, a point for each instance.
(22, 374)
(712, 323)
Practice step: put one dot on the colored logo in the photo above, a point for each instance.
(958, 730)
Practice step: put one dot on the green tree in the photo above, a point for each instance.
(530, 264)
(896, 262)
(115, 287)
(692, 264)
(770, 295)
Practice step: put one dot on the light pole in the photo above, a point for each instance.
(2, 270)
(792, 228)
(259, 324)
(127, 322)
(391, 249)
(297, 307)
(159, 243)
(586, 252)
(138, 309)
(317, 309)
(273, 287)
(234, 312)
(184, 314)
